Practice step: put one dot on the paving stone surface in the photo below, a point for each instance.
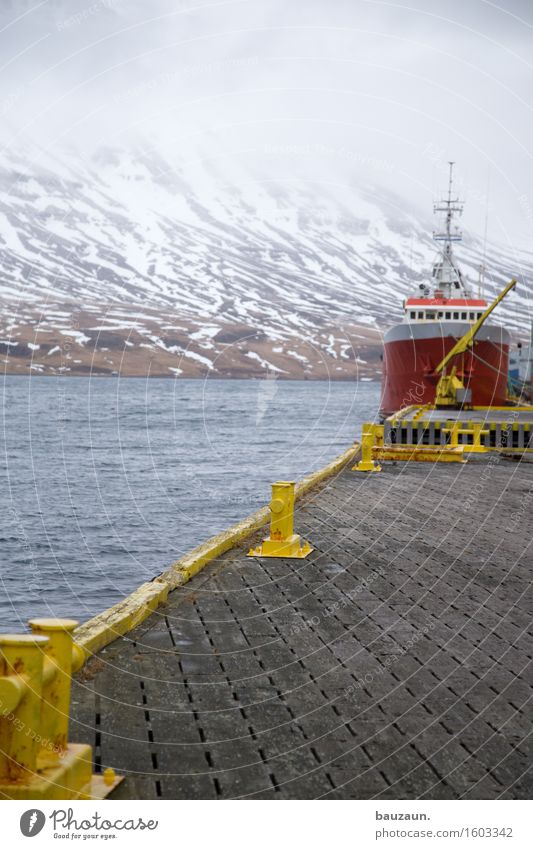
(394, 662)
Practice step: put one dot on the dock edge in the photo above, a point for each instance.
(122, 617)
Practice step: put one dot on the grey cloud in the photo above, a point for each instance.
(346, 83)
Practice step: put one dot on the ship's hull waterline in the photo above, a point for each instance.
(412, 351)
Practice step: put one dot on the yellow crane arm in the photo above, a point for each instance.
(466, 341)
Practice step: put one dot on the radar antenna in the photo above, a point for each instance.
(446, 272)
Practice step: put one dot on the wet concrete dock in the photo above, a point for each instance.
(394, 662)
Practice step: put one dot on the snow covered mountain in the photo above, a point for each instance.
(127, 263)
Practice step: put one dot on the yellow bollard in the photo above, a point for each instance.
(21, 673)
(57, 671)
(475, 429)
(372, 437)
(36, 760)
(282, 542)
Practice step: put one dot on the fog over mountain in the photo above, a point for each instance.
(186, 176)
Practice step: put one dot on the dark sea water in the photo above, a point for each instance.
(106, 482)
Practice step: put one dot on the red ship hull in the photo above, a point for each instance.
(412, 352)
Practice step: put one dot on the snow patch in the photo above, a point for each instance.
(264, 363)
(198, 357)
(80, 337)
(298, 356)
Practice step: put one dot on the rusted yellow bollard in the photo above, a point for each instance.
(371, 438)
(36, 760)
(62, 658)
(282, 542)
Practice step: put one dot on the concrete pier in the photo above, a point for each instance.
(394, 662)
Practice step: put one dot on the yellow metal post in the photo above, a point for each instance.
(372, 437)
(282, 542)
(466, 341)
(282, 510)
(21, 673)
(449, 385)
(478, 431)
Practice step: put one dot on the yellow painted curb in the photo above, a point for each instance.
(183, 570)
(135, 608)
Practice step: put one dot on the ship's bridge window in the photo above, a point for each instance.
(440, 315)
(448, 315)
(456, 315)
(421, 314)
(472, 316)
(412, 314)
(463, 316)
(430, 315)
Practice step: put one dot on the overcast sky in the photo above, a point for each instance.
(323, 89)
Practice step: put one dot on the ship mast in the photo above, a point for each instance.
(446, 273)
